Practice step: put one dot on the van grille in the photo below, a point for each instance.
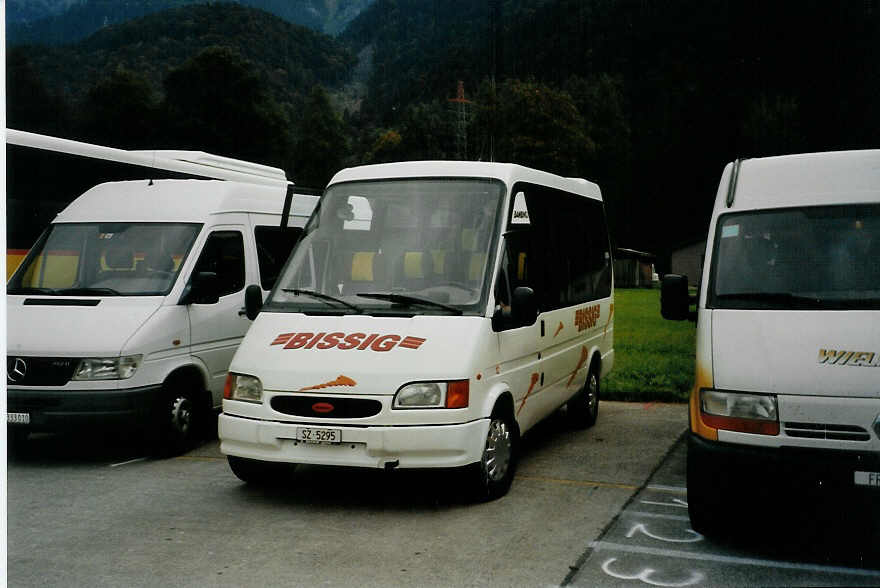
(326, 407)
(827, 431)
(39, 371)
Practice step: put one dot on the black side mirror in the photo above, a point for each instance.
(675, 300)
(203, 288)
(525, 306)
(253, 301)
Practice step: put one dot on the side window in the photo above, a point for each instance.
(273, 248)
(223, 254)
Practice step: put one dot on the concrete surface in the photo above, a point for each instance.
(94, 512)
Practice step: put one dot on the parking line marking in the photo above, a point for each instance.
(585, 483)
(200, 457)
(655, 515)
(135, 460)
(747, 561)
(659, 488)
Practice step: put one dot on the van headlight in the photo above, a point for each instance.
(740, 411)
(453, 394)
(107, 368)
(243, 387)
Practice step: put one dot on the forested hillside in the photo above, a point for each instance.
(68, 21)
(650, 98)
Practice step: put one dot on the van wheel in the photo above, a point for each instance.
(260, 473)
(583, 408)
(707, 497)
(490, 478)
(181, 415)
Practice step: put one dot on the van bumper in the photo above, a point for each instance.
(788, 467)
(440, 446)
(67, 410)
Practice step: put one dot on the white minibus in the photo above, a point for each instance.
(787, 387)
(129, 307)
(431, 314)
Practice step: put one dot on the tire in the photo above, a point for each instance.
(259, 473)
(181, 414)
(583, 408)
(491, 477)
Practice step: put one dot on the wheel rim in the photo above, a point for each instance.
(499, 446)
(181, 415)
(592, 394)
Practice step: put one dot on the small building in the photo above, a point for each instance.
(687, 260)
(633, 269)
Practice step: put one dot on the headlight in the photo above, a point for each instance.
(452, 394)
(242, 387)
(107, 368)
(739, 411)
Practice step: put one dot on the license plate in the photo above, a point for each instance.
(314, 435)
(868, 479)
(18, 418)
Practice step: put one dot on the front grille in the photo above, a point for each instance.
(326, 407)
(827, 431)
(39, 371)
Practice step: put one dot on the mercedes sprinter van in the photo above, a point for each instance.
(128, 309)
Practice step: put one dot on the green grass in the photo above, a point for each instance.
(653, 357)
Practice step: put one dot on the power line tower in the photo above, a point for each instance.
(461, 108)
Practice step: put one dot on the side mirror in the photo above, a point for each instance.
(675, 300)
(524, 307)
(203, 288)
(253, 301)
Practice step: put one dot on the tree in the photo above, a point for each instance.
(322, 141)
(214, 102)
(534, 125)
(30, 106)
(120, 111)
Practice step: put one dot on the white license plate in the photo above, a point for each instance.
(868, 479)
(315, 435)
(18, 418)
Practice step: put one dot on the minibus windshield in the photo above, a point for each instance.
(105, 259)
(818, 257)
(401, 247)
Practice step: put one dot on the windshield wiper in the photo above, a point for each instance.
(771, 297)
(409, 300)
(86, 292)
(323, 297)
(30, 290)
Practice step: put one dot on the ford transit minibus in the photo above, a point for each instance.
(430, 315)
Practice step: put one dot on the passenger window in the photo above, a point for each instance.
(223, 254)
(274, 245)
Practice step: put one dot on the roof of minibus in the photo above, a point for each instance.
(803, 180)
(506, 172)
(177, 201)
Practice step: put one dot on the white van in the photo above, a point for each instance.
(127, 310)
(431, 314)
(787, 386)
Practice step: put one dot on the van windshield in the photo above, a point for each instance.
(822, 257)
(105, 259)
(402, 247)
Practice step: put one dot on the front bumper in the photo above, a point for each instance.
(65, 410)
(438, 446)
(801, 469)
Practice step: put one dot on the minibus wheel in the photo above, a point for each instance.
(706, 496)
(583, 408)
(492, 475)
(254, 471)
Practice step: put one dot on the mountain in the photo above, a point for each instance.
(59, 22)
(290, 58)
